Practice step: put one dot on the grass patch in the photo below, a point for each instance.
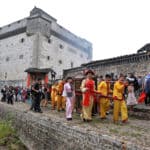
(76, 116)
(138, 128)
(135, 135)
(5, 129)
(131, 134)
(8, 137)
(113, 130)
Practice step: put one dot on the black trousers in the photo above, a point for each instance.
(37, 103)
(32, 103)
(3, 98)
(10, 100)
(95, 108)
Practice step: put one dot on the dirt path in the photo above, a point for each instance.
(135, 131)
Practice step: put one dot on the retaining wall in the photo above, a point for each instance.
(40, 132)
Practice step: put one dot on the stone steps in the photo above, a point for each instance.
(140, 112)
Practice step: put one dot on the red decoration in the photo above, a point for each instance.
(142, 97)
(46, 78)
(28, 80)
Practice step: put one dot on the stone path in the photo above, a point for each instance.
(135, 131)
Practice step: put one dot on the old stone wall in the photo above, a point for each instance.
(136, 63)
(15, 56)
(61, 55)
(41, 132)
(13, 26)
(39, 42)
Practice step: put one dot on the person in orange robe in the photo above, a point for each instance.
(59, 97)
(87, 88)
(53, 95)
(104, 90)
(119, 101)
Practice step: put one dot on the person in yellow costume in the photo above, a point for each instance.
(104, 90)
(53, 95)
(59, 97)
(119, 101)
(63, 104)
(87, 88)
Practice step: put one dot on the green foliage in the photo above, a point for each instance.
(5, 129)
(114, 130)
(8, 137)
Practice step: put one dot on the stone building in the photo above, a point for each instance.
(39, 42)
(138, 63)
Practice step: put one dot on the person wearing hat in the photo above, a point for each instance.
(105, 90)
(87, 89)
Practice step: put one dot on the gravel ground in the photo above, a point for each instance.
(135, 131)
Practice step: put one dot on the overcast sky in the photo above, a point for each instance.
(115, 27)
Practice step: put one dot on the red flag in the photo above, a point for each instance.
(142, 97)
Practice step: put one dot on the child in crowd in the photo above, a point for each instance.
(131, 99)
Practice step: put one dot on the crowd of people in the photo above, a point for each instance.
(11, 94)
(121, 92)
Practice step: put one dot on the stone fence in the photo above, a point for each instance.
(41, 132)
